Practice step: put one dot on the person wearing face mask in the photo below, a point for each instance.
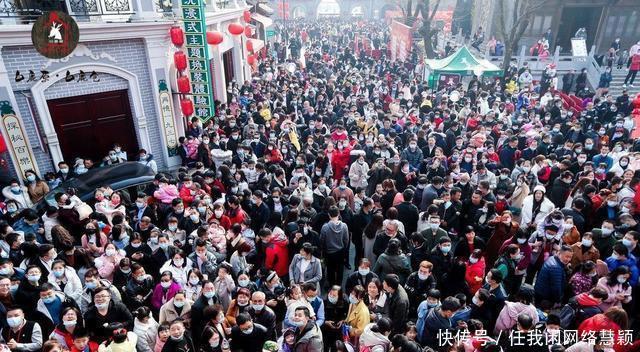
(92, 282)
(247, 335)
(50, 306)
(604, 238)
(438, 319)
(103, 313)
(179, 338)
(21, 334)
(36, 188)
(336, 308)
(19, 194)
(618, 286)
(179, 265)
(584, 250)
(108, 261)
(358, 172)
(213, 341)
(177, 308)
(139, 287)
(71, 323)
(262, 314)
(65, 279)
(307, 334)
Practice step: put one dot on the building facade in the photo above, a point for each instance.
(604, 20)
(117, 86)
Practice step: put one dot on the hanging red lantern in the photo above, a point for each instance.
(246, 15)
(180, 60)
(184, 86)
(250, 45)
(235, 28)
(247, 31)
(251, 59)
(186, 105)
(214, 38)
(177, 36)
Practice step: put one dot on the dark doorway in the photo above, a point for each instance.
(89, 125)
(227, 61)
(576, 17)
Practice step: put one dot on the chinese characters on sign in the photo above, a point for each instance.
(168, 124)
(68, 77)
(18, 144)
(198, 57)
(537, 337)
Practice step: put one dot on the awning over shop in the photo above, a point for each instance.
(265, 10)
(257, 44)
(266, 21)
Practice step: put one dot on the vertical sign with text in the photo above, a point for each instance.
(168, 123)
(17, 141)
(195, 27)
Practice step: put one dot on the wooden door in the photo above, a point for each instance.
(89, 125)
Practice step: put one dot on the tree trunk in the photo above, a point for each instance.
(427, 39)
(508, 53)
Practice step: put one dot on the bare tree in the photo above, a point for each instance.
(426, 30)
(513, 22)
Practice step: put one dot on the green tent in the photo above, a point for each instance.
(461, 63)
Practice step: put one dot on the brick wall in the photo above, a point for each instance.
(130, 55)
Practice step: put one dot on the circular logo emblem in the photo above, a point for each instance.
(55, 34)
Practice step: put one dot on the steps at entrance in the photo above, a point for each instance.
(615, 88)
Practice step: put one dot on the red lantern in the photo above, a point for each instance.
(180, 60)
(251, 59)
(177, 36)
(235, 28)
(250, 45)
(214, 38)
(246, 15)
(247, 31)
(186, 105)
(184, 86)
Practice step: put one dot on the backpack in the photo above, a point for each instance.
(568, 315)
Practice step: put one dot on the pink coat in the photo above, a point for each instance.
(612, 301)
(160, 297)
(508, 316)
(106, 267)
(167, 194)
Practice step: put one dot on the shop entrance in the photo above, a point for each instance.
(88, 125)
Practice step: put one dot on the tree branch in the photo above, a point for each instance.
(435, 9)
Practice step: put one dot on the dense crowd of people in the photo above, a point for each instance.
(339, 203)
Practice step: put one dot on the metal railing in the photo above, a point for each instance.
(27, 11)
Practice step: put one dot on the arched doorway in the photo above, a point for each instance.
(357, 11)
(298, 12)
(328, 8)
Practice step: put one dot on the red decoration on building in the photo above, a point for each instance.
(177, 36)
(251, 59)
(186, 105)
(235, 28)
(214, 38)
(246, 15)
(184, 86)
(180, 60)
(250, 45)
(248, 31)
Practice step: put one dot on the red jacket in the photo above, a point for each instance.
(597, 323)
(340, 160)
(235, 217)
(277, 255)
(635, 63)
(474, 270)
(185, 194)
